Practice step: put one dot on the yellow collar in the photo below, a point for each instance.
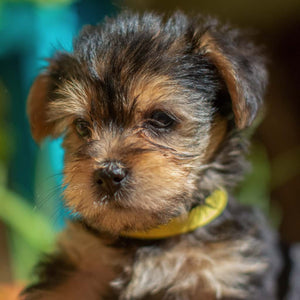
(197, 217)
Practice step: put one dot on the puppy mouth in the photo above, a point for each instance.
(113, 195)
(104, 199)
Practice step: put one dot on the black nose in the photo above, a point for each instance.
(111, 177)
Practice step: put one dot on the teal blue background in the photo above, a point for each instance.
(31, 175)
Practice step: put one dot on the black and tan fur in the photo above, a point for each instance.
(205, 83)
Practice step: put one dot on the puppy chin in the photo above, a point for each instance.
(113, 217)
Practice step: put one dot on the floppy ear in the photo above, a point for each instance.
(37, 107)
(242, 70)
(42, 95)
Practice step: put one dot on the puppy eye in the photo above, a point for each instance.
(161, 120)
(82, 128)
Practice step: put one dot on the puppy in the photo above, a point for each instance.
(153, 113)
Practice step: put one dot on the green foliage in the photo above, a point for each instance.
(255, 189)
(31, 234)
(6, 144)
(285, 166)
(21, 218)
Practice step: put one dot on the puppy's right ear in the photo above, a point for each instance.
(37, 107)
(44, 119)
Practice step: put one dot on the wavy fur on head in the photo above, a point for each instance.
(162, 104)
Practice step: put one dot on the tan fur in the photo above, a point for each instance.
(72, 99)
(96, 265)
(150, 182)
(217, 135)
(37, 107)
(227, 71)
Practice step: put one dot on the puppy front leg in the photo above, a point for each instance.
(82, 268)
(79, 286)
(65, 284)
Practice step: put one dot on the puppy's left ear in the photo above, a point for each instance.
(242, 70)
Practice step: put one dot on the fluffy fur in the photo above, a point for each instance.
(167, 101)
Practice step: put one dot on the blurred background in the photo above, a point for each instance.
(31, 212)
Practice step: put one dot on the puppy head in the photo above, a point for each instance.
(143, 105)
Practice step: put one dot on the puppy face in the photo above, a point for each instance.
(132, 155)
(143, 105)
